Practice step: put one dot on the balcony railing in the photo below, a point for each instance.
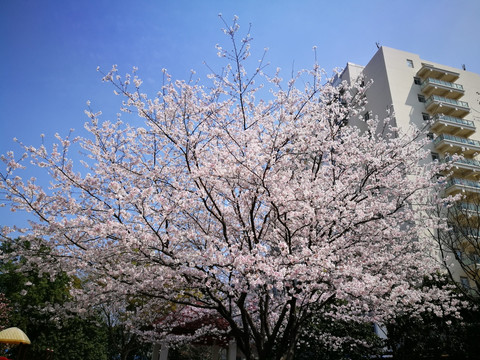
(457, 184)
(469, 162)
(464, 168)
(464, 206)
(438, 87)
(458, 141)
(452, 125)
(453, 120)
(462, 209)
(436, 98)
(442, 83)
(447, 106)
(465, 231)
(470, 259)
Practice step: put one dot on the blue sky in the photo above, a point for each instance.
(50, 49)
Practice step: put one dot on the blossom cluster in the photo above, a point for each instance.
(222, 206)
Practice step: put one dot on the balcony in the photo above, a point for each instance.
(464, 231)
(442, 105)
(455, 144)
(457, 185)
(469, 207)
(452, 125)
(431, 71)
(463, 210)
(470, 259)
(465, 168)
(431, 86)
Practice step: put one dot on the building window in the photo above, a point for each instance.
(421, 98)
(426, 116)
(458, 253)
(417, 80)
(366, 116)
(435, 157)
(410, 63)
(465, 283)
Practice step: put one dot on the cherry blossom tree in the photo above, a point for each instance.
(5, 310)
(250, 201)
(460, 247)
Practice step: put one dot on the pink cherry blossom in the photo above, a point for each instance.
(218, 203)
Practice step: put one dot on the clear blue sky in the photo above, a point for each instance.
(50, 49)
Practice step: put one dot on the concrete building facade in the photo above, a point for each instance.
(443, 99)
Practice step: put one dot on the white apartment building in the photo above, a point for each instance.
(445, 99)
